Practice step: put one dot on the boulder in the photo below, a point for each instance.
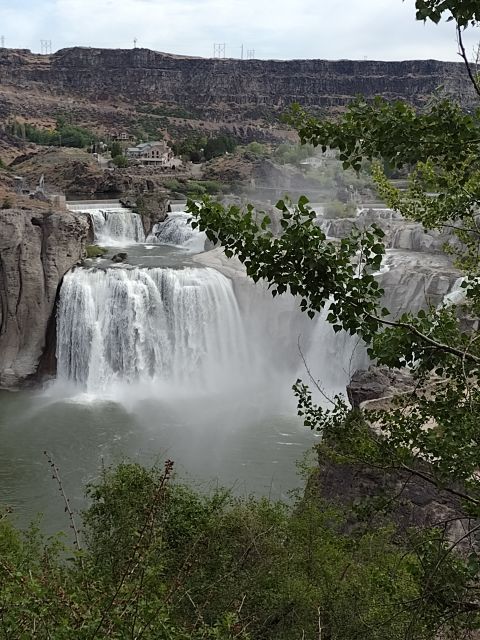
(376, 383)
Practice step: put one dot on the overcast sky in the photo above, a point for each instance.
(281, 29)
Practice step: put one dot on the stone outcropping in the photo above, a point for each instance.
(377, 382)
(36, 249)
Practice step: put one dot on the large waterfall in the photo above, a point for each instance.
(113, 224)
(177, 231)
(177, 326)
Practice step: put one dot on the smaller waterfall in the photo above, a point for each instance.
(177, 231)
(456, 295)
(113, 224)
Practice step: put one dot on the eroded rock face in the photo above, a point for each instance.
(219, 89)
(36, 250)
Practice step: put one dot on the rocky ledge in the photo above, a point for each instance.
(37, 248)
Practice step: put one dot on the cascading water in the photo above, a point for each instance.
(180, 327)
(177, 231)
(113, 224)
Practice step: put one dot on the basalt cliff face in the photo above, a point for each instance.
(36, 249)
(226, 90)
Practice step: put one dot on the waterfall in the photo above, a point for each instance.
(332, 358)
(181, 327)
(177, 231)
(113, 224)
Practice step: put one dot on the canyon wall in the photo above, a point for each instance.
(222, 89)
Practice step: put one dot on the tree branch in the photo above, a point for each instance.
(463, 55)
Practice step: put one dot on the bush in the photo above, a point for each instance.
(120, 161)
(94, 251)
(7, 203)
(218, 146)
(168, 562)
(64, 134)
(337, 209)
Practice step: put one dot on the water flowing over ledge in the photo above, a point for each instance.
(177, 231)
(113, 224)
(178, 326)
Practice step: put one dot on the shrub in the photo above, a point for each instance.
(94, 251)
(7, 203)
(337, 209)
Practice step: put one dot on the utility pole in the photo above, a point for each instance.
(219, 50)
(135, 40)
(46, 47)
(250, 54)
(241, 48)
(2, 42)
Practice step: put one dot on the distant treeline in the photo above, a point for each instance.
(64, 134)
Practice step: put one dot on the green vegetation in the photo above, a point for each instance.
(64, 134)
(198, 147)
(337, 209)
(7, 203)
(120, 161)
(193, 188)
(292, 153)
(257, 149)
(433, 433)
(94, 251)
(116, 149)
(219, 146)
(156, 560)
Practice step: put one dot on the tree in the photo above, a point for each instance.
(434, 432)
(116, 149)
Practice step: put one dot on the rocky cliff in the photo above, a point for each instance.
(211, 89)
(36, 249)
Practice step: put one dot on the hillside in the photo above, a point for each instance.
(139, 89)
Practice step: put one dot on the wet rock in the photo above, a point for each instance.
(120, 257)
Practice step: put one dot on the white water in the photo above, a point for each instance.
(113, 224)
(177, 327)
(177, 231)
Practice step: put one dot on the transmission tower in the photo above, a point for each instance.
(219, 50)
(2, 42)
(250, 54)
(135, 40)
(46, 47)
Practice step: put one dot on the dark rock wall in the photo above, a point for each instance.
(215, 88)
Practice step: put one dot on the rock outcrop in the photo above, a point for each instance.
(36, 249)
(377, 382)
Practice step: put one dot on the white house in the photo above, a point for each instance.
(151, 153)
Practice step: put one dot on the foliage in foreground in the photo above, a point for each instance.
(162, 561)
(432, 433)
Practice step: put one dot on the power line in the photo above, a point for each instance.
(219, 50)
(46, 47)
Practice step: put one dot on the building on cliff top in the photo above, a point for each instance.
(151, 153)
